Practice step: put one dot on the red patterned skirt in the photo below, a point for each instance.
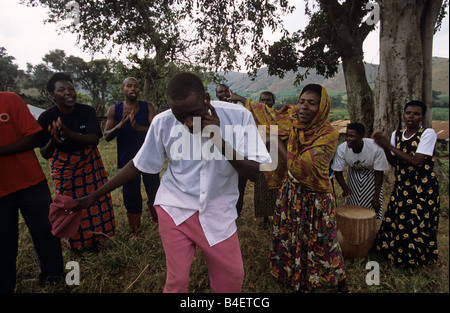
(76, 175)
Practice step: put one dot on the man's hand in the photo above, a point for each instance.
(211, 118)
(123, 121)
(84, 202)
(234, 98)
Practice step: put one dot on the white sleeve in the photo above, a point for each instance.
(339, 159)
(380, 162)
(151, 157)
(393, 140)
(427, 142)
(250, 143)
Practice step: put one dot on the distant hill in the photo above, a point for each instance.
(284, 88)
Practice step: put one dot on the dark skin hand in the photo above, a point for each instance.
(347, 192)
(126, 174)
(57, 130)
(381, 140)
(245, 167)
(112, 129)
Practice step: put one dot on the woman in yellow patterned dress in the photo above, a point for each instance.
(305, 253)
(408, 233)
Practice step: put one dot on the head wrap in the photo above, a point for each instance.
(310, 147)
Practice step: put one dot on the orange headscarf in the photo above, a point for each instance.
(310, 147)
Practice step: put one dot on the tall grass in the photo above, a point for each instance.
(126, 266)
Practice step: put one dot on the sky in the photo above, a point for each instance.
(27, 38)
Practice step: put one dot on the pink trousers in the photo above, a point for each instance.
(224, 260)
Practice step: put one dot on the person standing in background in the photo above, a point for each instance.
(71, 133)
(129, 121)
(264, 198)
(366, 165)
(223, 93)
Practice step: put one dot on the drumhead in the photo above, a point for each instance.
(355, 212)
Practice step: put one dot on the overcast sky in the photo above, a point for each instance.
(26, 37)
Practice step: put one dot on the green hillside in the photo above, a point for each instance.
(284, 88)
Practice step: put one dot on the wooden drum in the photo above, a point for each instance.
(356, 230)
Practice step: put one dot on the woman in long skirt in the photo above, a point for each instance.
(408, 233)
(305, 251)
(71, 133)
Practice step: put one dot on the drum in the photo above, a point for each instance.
(356, 227)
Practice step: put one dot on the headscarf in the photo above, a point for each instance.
(310, 147)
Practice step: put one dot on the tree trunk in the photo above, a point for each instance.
(359, 94)
(428, 22)
(347, 37)
(400, 74)
(406, 38)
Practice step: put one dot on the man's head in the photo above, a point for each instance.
(267, 98)
(223, 92)
(187, 98)
(130, 88)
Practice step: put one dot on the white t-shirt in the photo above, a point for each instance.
(371, 157)
(194, 179)
(427, 141)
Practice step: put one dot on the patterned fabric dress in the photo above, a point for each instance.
(78, 174)
(305, 252)
(408, 233)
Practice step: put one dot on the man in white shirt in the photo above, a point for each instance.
(196, 200)
(366, 165)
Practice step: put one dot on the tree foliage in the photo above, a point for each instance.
(9, 72)
(196, 32)
(150, 29)
(168, 35)
(226, 27)
(95, 77)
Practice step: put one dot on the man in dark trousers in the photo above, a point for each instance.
(129, 121)
(23, 186)
(223, 93)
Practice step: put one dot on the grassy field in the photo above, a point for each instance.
(139, 266)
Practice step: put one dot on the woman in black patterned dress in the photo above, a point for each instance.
(408, 233)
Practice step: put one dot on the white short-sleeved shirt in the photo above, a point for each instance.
(196, 179)
(371, 157)
(427, 141)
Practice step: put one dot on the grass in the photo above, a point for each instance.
(139, 266)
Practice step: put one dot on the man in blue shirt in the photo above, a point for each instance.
(129, 121)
